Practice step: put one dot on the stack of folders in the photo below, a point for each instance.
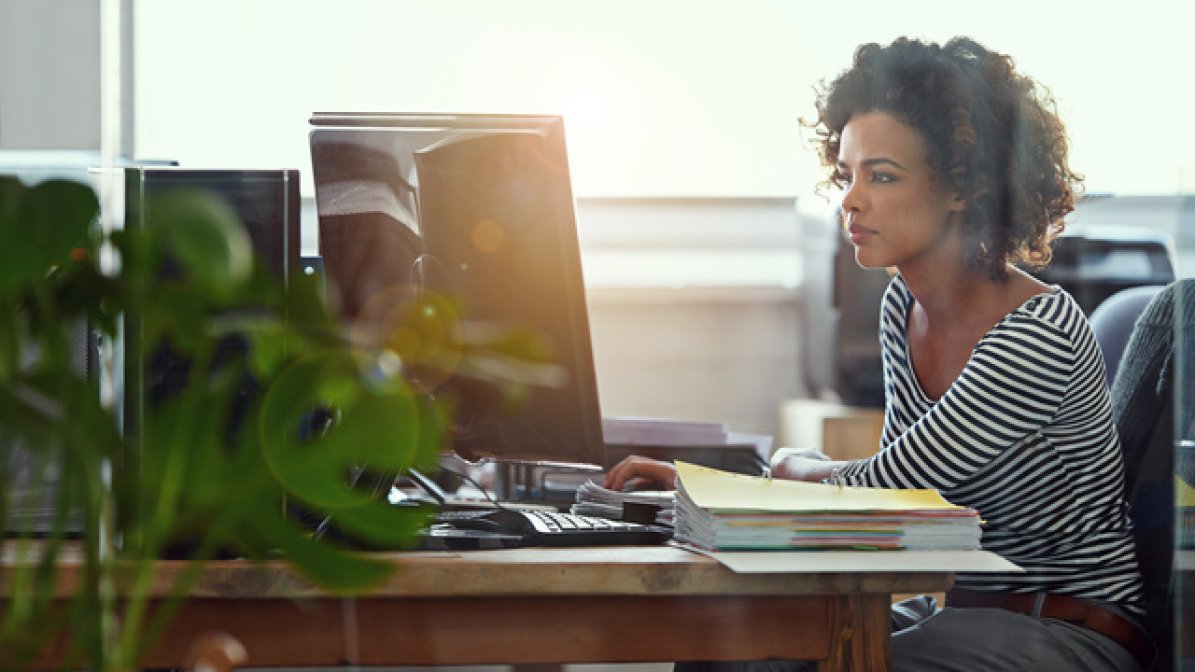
(718, 510)
(640, 506)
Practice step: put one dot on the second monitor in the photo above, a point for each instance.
(478, 211)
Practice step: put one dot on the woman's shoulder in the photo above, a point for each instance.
(1049, 322)
(1054, 307)
(897, 294)
(894, 307)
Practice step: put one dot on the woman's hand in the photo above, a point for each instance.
(641, 473)
(802, 464)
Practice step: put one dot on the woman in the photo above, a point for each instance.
(953, 169)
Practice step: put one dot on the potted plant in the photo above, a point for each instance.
(208, 472)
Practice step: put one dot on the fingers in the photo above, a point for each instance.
(782, 454)
(785, 467)
(658, 474)
(619, 474)
(804, 468)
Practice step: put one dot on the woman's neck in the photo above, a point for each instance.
(947, 291)
(953, 295)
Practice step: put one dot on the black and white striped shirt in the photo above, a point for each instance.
(1024, 436)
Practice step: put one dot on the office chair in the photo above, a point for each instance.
(1143, 405)
(1113, 319)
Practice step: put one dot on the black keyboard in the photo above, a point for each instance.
(503, 528)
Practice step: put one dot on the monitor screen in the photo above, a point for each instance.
(475, 211)
(266, 205)
(265, 202)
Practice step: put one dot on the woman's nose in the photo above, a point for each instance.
(852, 198)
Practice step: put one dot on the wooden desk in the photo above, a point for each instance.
(528, 606)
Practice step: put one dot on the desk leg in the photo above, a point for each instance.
(861, 631)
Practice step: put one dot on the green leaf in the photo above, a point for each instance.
(305, 303)
(82, 288)
(310, 467)
(378, 427)
(382, 525)
(329, 567)
(64, 213)
(40, 227)
(10, 346)
(204, 235)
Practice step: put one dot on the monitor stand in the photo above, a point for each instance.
(513, 484)
(541, 482)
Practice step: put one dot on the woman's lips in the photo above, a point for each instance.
(859, 234)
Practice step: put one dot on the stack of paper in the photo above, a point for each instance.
(652, 506)
(662, 431)
(667, 439)
(719, 510)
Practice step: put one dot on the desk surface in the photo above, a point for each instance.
(621, 570)
(659, 570)
(540, 605)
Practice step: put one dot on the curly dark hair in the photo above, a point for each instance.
(992, 137)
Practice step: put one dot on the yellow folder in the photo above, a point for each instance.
(720, 491)
(1184, 494)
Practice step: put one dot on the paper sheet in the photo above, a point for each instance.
(779, 562)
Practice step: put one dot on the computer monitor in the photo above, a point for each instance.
(477, 210)
(266, 204)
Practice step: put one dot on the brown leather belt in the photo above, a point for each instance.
(1063, 608)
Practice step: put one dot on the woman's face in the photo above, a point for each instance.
(894, 210)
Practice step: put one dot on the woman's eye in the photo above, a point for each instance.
(840, 177)
(882, 178)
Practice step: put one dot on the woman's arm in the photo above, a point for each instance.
(1012, 387)
(645, 473)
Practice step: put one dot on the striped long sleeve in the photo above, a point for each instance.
(1025, 436)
